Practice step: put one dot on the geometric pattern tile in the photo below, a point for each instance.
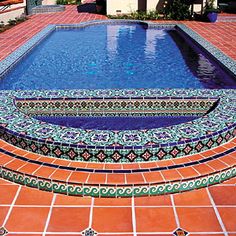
(3, 231)
(180, 232)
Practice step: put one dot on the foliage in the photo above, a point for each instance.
(68, 2)
(177, 10)
(11, 23)
(210, 6)
(139, 15)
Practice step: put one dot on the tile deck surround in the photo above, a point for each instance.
(173, 214)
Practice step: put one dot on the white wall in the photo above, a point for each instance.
(122, 6)
(11, 15)
(128, 6)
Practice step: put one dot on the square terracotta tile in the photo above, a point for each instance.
(31, 196)
(72, 200)
(193, 219)
(155, 219)
(223, 195)
(228, 216)
(192, 198)
(67, 219)
(115, 178)
(3, 213)
(78, 177)
(112, 202)
(162, 200)
(153, 177)
(134, 178)
(97, 178)
(23, 219)
(7, 193)
(112, 219)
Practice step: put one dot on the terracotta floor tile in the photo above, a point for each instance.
(78, 164)
(31, 196)
(3, 213)
(72, 200)
(165, 163)
(74, 219)
(95, 166)
(44, 172)
(134, 178)
(4, 159)
(7, 193)
(217, 165)
(171, 175)
(28, 168)
(15, 164)
(223, 195)
(32, 156)
(112, 219)
(153, 201)
(192, 198)
(24, 215)
(187, 172)
(78, 177)
(131, 166)
(191, 219)
(62, 162)
(155, 219)
(19, 152)
(115, 179)
(112, 202)
(148, 165)
(203, 169)
(23, 234)
(228, 216)
(96, 178)
(60, 175)
(113, 166)
(229, 159)
(207, 153)
(153, 177)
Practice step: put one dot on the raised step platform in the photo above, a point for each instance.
(118, 180)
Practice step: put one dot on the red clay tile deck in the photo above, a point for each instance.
(208, 211)
(27, 211)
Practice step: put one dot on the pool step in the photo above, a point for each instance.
(118, 180)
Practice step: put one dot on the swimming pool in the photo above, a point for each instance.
(116, 56)
(208, 137)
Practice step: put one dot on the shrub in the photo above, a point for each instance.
(68, 2)
(177, 10)
(140, 15)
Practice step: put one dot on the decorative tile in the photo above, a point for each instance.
(89, 232)
(3, 231)
(180, 232)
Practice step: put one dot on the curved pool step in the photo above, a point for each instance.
(58, 176)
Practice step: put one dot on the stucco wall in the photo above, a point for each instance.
(121, 6)
(127, 6)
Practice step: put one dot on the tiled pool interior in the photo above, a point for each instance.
(126, 55)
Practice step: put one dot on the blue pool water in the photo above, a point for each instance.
(117, 123)
(115, 56)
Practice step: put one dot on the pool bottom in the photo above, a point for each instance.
(116, 123)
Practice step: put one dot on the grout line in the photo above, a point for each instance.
(49, 214)
(12, 205)
(175, 212)
(133, 218)
(217, 212)
(91, 213)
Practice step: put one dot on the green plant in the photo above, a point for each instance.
(68, 2)
(139, 15)
(177, 10)
(210, 6)
(12, 22)
(1, 24)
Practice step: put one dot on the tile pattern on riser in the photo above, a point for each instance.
(116, 191)
(167, 106)
(206, 132)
